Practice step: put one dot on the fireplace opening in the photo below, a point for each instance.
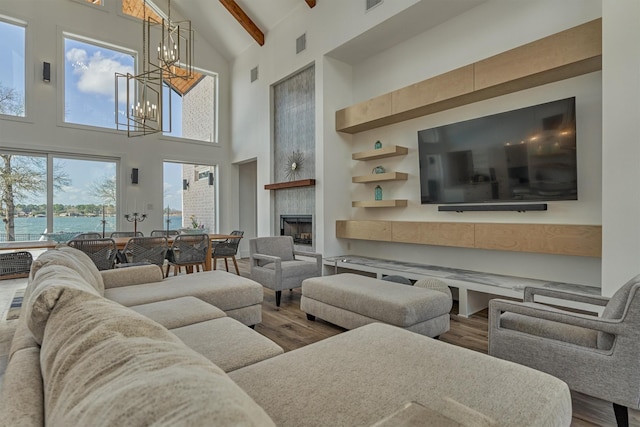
(300, 227)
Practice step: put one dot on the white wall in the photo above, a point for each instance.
(43, 129)
(620, 148)
(488, 29)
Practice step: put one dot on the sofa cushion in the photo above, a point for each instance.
(40, 301)
(178, 312)
(72, 258)
(133, 275)
(21, 396)
(104, 364)
(234, 346)
(279, 246)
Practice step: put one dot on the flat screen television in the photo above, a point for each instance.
(524, 155)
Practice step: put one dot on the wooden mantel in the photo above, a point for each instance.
(290, 184)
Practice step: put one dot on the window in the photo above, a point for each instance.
(193, 101)
(89, 76)
(189, 196)
(12, 68)
(193, 107)
(83, 193)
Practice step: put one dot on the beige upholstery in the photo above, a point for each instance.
(351, 300)
(228, 292)
(235, 345)
(178, 312)
(361, 376)
(127, 370)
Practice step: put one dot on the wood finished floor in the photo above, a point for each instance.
(289, 328)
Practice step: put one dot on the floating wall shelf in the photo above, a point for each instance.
(379, 177)
(291, 184)
(380, 153)
(379, 204)
(560, 56)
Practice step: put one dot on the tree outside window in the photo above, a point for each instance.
(12, 69)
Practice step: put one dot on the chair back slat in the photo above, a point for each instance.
(101, 251)
(146, 249)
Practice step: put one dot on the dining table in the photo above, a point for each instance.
(121, 242)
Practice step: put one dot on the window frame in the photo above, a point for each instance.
(14, 20)
(65, 34)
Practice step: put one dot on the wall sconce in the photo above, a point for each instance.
(210, 178)
(46, 72)
(185, 184)
(134, 175)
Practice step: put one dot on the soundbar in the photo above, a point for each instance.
(520, 207)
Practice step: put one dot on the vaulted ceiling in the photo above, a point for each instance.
(217, 21)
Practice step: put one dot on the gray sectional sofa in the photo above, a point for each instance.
(81, 358)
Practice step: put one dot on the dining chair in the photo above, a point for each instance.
(227, 249)
(188, 251)
(166, 233)
(117, 234)
(152, 250)
(90, 235)
(101, 251)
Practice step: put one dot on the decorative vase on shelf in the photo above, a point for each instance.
(378, 169)
(377, 145)
(378, 192)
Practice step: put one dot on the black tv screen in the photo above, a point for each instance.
(522, 155)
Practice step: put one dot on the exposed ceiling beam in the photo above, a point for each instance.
(244, 20)
(311, 3)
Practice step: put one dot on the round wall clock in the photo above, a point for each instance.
(293, 165)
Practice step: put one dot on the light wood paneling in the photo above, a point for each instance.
(433, 233)
(579, 240)
(432, 91)
(563, 55)
(364, 230)
(378, 177)
(559, 239)
(397, 203)
(573, 46)
(380, 153)
(354, 117)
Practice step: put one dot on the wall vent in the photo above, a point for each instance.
(371, 4)
(254, 74)
(301, 43)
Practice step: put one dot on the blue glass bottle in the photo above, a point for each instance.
(378, 192)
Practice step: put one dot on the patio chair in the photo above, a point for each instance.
(227, 249)
(101, 251)
(275, 266)
(166, 233)
(90, 235)
(151, 250)
(117, 234)
(188, 251)
(597, 356)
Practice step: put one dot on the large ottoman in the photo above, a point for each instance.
(350, 301)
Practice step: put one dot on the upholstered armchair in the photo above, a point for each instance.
(275, 266)
(597, 356)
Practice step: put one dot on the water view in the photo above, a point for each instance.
(32, 228)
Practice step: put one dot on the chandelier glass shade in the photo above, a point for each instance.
(167, 54)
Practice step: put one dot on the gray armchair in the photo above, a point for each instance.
(597, 356)
(274, 264)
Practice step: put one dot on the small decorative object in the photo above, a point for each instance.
(293, 165)
(378, 169)
(135, 218)
(378, 192)
(377, 145)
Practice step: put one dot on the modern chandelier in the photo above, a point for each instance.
(167, 54)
